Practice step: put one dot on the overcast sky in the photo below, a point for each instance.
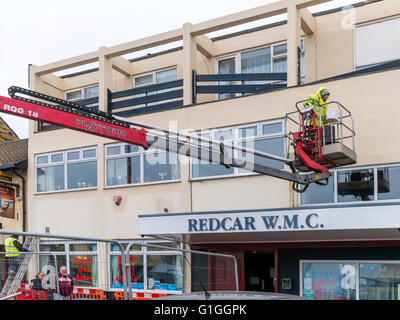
(44, 31)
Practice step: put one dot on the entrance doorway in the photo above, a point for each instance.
(259, 270)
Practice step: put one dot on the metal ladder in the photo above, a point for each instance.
(13, 283)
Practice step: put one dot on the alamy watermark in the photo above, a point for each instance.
(348, 21)
(205, 146)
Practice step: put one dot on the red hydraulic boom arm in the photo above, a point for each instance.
(70, 115)
(75, 116)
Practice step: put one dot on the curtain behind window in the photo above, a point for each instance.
(226, 66)
(257, 61)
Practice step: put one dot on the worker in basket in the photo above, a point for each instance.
(318, 101)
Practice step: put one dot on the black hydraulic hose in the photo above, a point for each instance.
(64, 105)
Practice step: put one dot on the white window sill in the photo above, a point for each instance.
(63, 191)
(241, 175)
(142, 184)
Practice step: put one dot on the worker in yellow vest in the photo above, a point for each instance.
(318, 101)
(13, 251)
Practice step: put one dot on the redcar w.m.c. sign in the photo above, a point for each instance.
(273, 220)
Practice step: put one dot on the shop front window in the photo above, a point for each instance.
(84, 270)
(351, 280)
(152, 268)
(83, 264)
(329, 281)
(50, 264)
(136, 262)
(79, 258)
(164, 272)
(379, 281)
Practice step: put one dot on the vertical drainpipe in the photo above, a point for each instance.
(23, 200)
(29, 75)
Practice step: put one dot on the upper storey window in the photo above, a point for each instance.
(263, 60)
(357, 185)
(377, 42)
(66, 170)
(76, 95)
(264, 136)
(130, 165)
(83, 94)
(154, 78)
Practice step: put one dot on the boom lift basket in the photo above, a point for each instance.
(337, 136)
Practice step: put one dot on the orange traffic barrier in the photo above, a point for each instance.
(92, 294)
(85, 293)
(119, 295)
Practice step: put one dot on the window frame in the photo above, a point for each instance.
(65, 163)
(236, 141)
(364, 24)
(335, 172)
(68, 252)
(154, 82)
(154, 76)
(82, 90)
(141, 153)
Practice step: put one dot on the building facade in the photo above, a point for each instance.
(13, 191)
(338, 241)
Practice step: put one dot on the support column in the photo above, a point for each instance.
(105, 79)
(293, 42)
(187, 266)
(35, 84)
(103, 275)
(309, 26)
(189, 63)
(311, 58)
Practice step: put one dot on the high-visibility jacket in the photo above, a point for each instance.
(11, 249)
(321, 108)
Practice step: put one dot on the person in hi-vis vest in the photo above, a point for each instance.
(13, 251)
(319, 102)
